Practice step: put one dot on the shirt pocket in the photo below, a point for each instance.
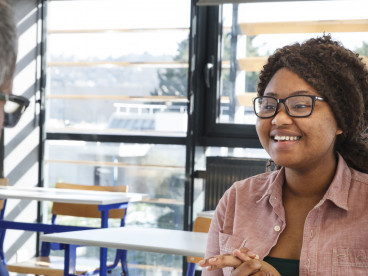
(349, 261)
(228, 243)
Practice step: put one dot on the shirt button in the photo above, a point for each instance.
(277, 228)
(311, 233)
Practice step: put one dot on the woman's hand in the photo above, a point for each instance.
(247, 266)
(243, 261)
(228, 260)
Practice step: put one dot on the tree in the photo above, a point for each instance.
(363, 50)
(251, 77)
(173, 81)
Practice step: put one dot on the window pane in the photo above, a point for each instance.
(156, 170)
(120, 67)
(127, 71)
(259, 31)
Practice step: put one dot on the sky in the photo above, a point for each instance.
(112, 14)
(118, 14)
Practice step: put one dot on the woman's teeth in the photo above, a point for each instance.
(286, 138)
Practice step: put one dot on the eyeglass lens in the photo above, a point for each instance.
(13, 111)
(298, 106)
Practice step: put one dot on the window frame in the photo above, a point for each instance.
(211, 133)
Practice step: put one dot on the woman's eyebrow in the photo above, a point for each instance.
(298, 92)
(270, 94)
(301, 92)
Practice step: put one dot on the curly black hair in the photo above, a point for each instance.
(341, 76)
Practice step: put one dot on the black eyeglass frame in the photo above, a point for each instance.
(283, 101)
(11, 119)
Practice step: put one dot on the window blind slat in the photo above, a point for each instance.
(219, 2)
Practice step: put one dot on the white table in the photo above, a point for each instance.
(68, 195)
(206, 214)
(104, 200)
(165, 241)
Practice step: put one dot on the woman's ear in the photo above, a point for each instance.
(339, 131)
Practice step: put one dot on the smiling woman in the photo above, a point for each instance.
(339, 76)
(288, 218)
(315, 136)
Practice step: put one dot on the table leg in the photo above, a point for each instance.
(103, 251)
(2, 238)
(2, 233)
(70, 259)
(103, 260)
(123, 259)
(191, 269)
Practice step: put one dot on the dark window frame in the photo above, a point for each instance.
(209, 132)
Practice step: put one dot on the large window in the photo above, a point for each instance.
(250, 32)
(140, 92)
(116, 108)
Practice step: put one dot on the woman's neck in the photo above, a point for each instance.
(312, 182)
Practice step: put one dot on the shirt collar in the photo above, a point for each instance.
(338, 192)
(275, 182)
(274, 192)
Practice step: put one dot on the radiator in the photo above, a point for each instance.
(222, 172)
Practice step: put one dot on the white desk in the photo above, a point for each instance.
(67, 195)
(165, 241)
(206, 214)
(104, 200)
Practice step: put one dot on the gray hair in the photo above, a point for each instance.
(8, 42)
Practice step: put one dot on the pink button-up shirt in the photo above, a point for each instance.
(335, 239)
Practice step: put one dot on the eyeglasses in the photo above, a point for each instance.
(14, 107)
(298, 106)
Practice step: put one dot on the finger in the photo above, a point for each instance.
(203, 262)
(250, 253)
(223, 261)
(213, 260)
(244, 250)
(244, 254)
(248, 268)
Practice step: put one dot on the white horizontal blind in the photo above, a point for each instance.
(219, 2)
(259, 31)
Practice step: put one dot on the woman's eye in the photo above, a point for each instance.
(301, 106)
(268, 107)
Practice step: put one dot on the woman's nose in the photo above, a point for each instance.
(282, 117)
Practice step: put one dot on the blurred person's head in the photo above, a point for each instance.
(11, 107)
(8, 46)
(340, 76)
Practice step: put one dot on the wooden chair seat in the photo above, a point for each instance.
(3, 182)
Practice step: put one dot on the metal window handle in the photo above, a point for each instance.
(208, 72)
